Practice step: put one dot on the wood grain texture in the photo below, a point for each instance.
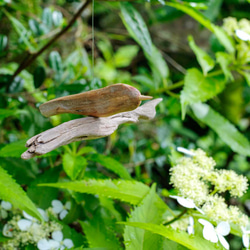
(87, 128)
(102, 102)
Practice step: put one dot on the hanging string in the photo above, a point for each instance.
(93, 38)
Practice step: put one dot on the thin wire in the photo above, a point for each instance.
(93, 37)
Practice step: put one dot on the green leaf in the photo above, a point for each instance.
(225, 59)
(21, 30)
(73, 165)
(3, 42)
(136, 238)
(224, 39)
(6, 113)
(136, 26)
(205, 61)
(56, 64)
(111, 164)
(198, 88)
(14, 149)
(183, 238)
(246, 75)
(124, 55)
(100, 230)
(12, 192)
(128, 191)
(225, 130)
(39, 76)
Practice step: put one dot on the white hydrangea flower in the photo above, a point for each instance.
(185, 151)
(214, 234)
(56, 242)
(25, 224)
(60, 209)
(185, 202)
(5, 206)
(245, 237)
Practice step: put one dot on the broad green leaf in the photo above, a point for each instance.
(124, 55)
(225, 130)
(136, 238)
(127, 191)
(205, 61)
(198, 88)
(99, 235)
(39, 76)
(73, 165)
(56, 64)
(111, 164)
(225, 59)
(224, 39)
(213, 9)
(21, 30)
(14, 149)
(193, 242)
(136, 26)
(12, 192)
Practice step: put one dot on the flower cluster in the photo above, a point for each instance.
(23, 229)
(200, 184)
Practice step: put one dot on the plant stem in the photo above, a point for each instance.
(25, 63)
(175, 218)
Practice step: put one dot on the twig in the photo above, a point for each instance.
(87, 128)
(28, 61)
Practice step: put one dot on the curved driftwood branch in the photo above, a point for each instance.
(87, 128)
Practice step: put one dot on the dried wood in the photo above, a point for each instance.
(87, 128)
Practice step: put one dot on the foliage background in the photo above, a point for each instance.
(119, 54)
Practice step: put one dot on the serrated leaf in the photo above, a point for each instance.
(193, 242)
(198, 88)
(73, 165)
(111, 164)
(99, 235)
(225, 59)
(127, 191)
(205, 61)
(136, 26)
(225, 130)
(14, 149)
(136, 238)
(10, 191)
(124, 55)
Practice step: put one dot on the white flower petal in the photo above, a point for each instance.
(198, 209)
(6, 205)
(245, 240)
(188, 203)
(43, 244)
(63, 214)
(27, 216)
(7, 230)
(54, 244)
(205, 222)
(68, 205)
(44, 214)
(223, 241)
(57, 235)
(24, 224)
(68, 243)
(242, 35)
(57, 206)
(185, 151)
(210, 234)
(223, 228)
(191, 221)
(190, 230)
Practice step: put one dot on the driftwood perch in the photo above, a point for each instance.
(85, 129)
